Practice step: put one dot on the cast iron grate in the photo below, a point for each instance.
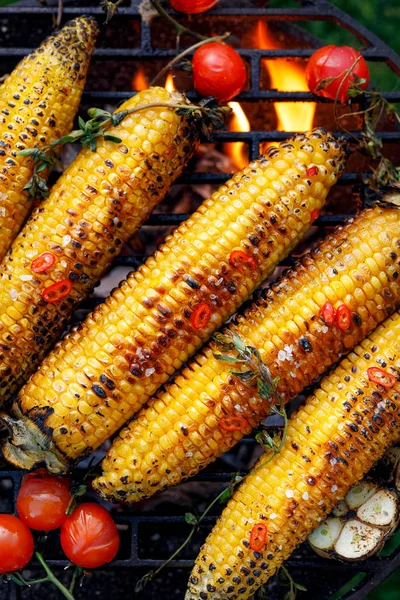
(139, 527)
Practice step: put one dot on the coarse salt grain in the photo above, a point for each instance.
(2, 211)
(324, 329)
(305, 496)
(66, 240)
(149, 372)
(26, 277)
(189, 454)
(289, 494)
(273, 516)
(334, 489)
(320, 503)
(14, 294)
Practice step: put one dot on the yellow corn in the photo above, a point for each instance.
(94, 208)
(182, 428)
(38, 102)
(343, 429)
(102, 373)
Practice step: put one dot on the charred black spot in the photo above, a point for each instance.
(107, 381)
(305, 344)
(98, 390)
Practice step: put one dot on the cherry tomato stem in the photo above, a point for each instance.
(201, 316)
(240, 261)
(43, 262)
(57, 291)
(258, 537)
(377, 375)
(233, 424)
(343, 317)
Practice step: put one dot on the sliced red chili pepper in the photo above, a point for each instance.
(43, 262)
(314, 215)
(311, 171)
(343, 317)
(240, 259)
(328, 313)
(233, 424)
(377, 375)
(201, 316)
(57, 291)
(258, 537)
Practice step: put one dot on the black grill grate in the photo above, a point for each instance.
(143, 524)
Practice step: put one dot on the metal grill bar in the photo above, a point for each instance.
(310, 10)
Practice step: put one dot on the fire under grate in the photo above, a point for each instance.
(152, 530)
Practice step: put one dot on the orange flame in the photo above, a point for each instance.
(286, 76)
(139, 82)
(238, 151)
(169, 83)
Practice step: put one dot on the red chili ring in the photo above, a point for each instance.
(258, 537)
(233, 424)
(343, 317)
(201, 316)
(377, 375)
(43, 262)
(239, 259)
(57, 291)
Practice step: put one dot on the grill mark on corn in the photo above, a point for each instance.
(81, 232)
(205, 392)
(343, 458)
(50, 80)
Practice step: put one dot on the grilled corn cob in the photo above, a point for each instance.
(38, 102)
(343, 429)
(94, 208)
(102, 373)
(193, 422)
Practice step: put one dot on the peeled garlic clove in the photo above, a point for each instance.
(360, 493)
(341, 509)
(358, 540)
(325, 536)
(380, 510)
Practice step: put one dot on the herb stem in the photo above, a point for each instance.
(177, 58)
(52, 578)
(179, 28)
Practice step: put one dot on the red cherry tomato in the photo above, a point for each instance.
(201, 316)
(377, 375)
(332, 62)
(233, 424)
(89, 537)
(219, 71)
(240, 260)
(328, 313)
(43, 500)
(16, 544)
(258, 537)
(343, 317)
(192, 7)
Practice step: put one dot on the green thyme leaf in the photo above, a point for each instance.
(191, 519)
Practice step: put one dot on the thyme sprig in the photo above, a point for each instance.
(252, 371)
(110, 8)
(205, 115)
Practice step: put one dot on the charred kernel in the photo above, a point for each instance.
(63, 430)
(98, 390)
(107, 382)
(305, 344)
(357, 319)
(212, 567)
(191, 282)
(311, 480)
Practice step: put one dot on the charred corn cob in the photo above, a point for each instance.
(331, 443)
(38, 102)
(102, 373)
(72, 238)
(206, 409)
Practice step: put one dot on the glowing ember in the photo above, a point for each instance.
(238, 151)
(169, 83)
(286, 76)
(139, 82)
